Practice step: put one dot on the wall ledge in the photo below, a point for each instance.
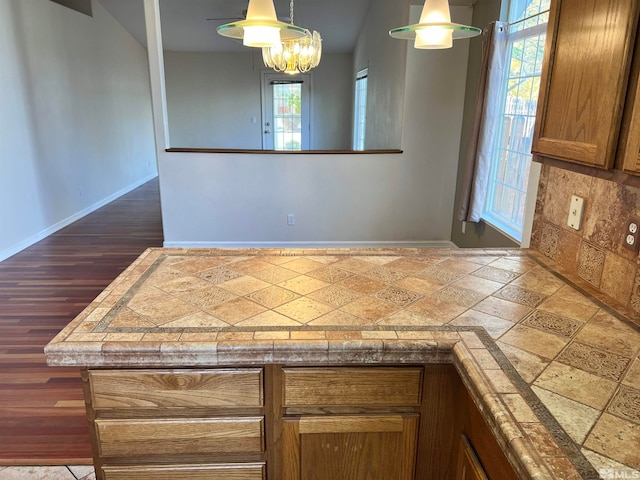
(326, 244)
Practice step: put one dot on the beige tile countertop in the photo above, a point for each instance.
(552, 364)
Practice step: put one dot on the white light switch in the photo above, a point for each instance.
(575, 212)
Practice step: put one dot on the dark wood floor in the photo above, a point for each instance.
(41, 290)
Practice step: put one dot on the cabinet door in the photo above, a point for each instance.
(584, 79)
(367, 447)
(468, 466)
(629, 148)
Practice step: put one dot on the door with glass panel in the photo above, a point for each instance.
(285, 111)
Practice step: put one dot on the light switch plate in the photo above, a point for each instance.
(576, 208)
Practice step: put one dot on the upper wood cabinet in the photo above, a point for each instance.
(629, 147)
(587, 63)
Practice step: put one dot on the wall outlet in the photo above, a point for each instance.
(576, 207)
(632, 234)
(291, 219)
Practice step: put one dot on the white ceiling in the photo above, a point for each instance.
(185, 26)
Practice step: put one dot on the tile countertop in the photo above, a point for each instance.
(552, 364)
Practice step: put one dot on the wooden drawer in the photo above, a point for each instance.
(346, 386)
(230, 471)
(176, 388)
(118, 438)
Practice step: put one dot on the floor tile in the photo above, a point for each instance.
(599, 362)
(576, 384)
(386, 274)
(355, 265)
(534, 341)
(612, 437)
(418, 285)
(576, 418)
(36, 473)
(439, 275)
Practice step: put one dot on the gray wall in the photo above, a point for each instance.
(385, 58)
(341, 199)
(478, 235)
(212, 98)
(75, 123)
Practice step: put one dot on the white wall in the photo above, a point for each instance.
(385, 58)
(75, 123)
(343, 199)
(212, 97)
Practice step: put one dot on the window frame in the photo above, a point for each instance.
(360, 110)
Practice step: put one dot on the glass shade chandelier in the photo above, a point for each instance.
(261, 28)
(294, 56)
(435, 29)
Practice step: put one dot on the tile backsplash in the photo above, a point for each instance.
(595, 253)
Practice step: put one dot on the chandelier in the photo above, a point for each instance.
(294, 56)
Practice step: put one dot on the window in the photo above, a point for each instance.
(360, 110)
(286, 112)
(508, 180)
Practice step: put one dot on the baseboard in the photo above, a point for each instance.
(386, 244)
(9, 252)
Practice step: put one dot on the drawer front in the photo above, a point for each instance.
(118, 438)
(176, 388)
(229, 471)
(400, 386)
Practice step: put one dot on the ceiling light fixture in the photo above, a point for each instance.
(294, 56)
(435, 29)
(261, 28)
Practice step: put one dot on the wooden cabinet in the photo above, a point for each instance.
(177, 423)
(588, 57)
(372, 447)
(629, 146)
(468, 467)
(286, 423)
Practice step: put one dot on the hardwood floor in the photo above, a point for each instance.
(42, 417)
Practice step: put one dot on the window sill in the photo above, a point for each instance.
(280, 152)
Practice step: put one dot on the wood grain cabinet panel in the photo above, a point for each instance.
(468, 467)
(235, 471)
(176, 388)
(629, 147)
(584, 80)
(344, 386)
(375, 447)
(191, 436)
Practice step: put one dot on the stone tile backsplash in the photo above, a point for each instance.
(595, 253)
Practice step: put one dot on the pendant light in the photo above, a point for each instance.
(261, 28)
(294, 56)
(435, 29)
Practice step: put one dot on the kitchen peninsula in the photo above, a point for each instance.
(252, 364)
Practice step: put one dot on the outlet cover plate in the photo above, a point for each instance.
(576, 208)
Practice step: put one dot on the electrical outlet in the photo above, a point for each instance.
(632, 234)
(291, 219)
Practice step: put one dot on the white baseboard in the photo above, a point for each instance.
(9, 252)
(402, 244)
